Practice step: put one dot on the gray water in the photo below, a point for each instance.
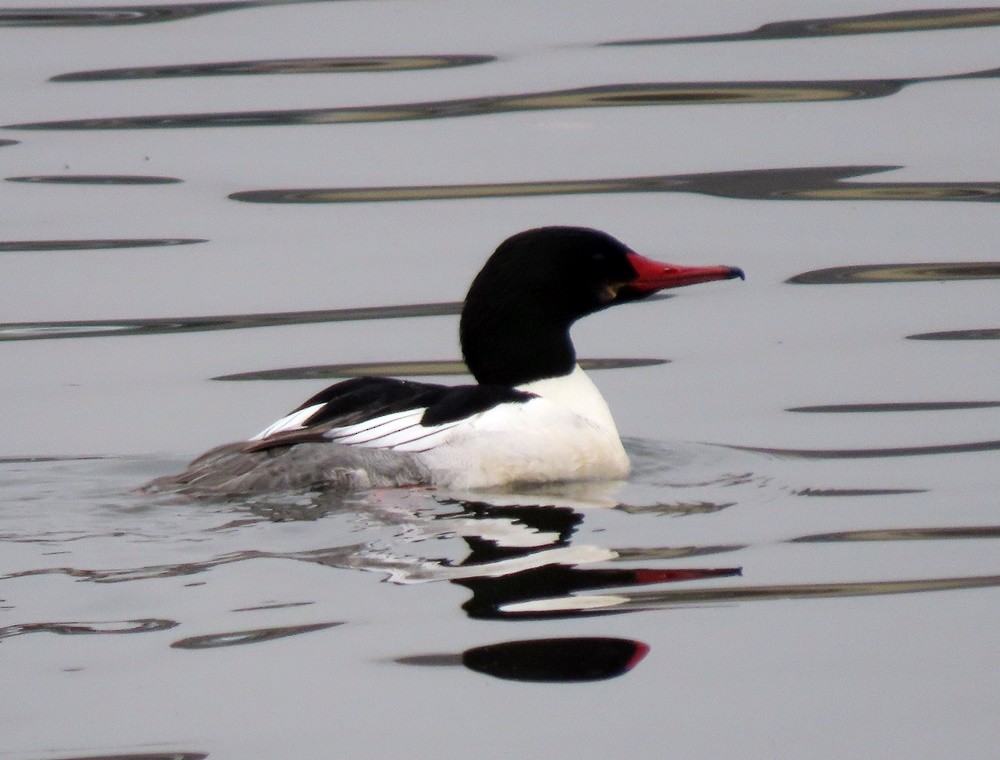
(212, 210)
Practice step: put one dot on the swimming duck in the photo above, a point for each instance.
(533, 416)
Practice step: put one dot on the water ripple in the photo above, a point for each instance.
(11, 246)
(127, 14)
(895, 406)
(332, 65)
(924, 272)
(796, 183)
(876, 23)
(255, 636)
(165, 325)
(144, 625)
(94, 179)
(987, 333)
(853, 492)
(160, 326)
(904, 534)
(900, 451)
(142, 756)
(650, 600)
(603, 96)
(415, 368)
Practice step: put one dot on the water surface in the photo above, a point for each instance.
(803, 562)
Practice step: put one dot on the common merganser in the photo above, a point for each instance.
(532, 417)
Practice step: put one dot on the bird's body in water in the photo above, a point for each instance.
(533, 416)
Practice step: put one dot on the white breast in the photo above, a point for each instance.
(578, 393)
(566, 434)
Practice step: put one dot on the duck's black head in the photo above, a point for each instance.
(517, 314)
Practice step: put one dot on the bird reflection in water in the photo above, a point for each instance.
(521, 563)
(549, 577)
(567, 660)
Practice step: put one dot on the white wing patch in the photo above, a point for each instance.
(292, 421)
(377, 427)
(401, 431)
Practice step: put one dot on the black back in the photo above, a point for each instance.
(366, 398)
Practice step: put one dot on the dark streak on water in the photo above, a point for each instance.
(127, 14)
(648, 553)
(876, 23)
(145, 625)
(851, 492)
(928, 272)
(899, 21)
(643, 600)
(143, 756)
(903, 451)
(11, 246)
(414, 368)
(435, 660)
(94, 179)
(676, 508)
(605, 96)
(36, 459)
(988, 333)
(7, 142)
(797, 183)
(905, 534)
(334, 65)
(255, 636)
(903, 406)
(274, 606)
(337, 556)
(164, 325)
(104, 328)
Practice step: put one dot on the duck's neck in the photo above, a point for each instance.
(512, 346)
